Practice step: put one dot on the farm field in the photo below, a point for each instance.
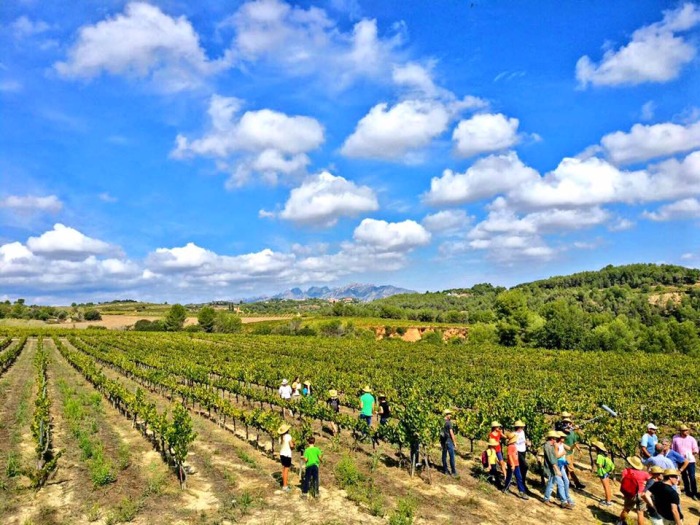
(113, 396)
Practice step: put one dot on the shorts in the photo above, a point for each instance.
(604, 476)
(499, 455)
(286, 461)
(635, 503)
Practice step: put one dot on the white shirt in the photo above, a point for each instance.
(285, 392)
(286, 449)
(521, 442)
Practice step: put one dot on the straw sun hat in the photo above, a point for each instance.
(283, 429)
(635, 462)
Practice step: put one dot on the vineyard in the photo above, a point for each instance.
(186, 424)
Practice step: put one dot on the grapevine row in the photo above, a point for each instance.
(172, 436)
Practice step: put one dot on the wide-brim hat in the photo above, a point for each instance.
(656, 470)
(283, 429)
(565, 414)
(495, 424)
(493, 443)
(381, 396)
(671, 472)
(683, 427)
(599, 445)
(367, 389)
(635, 462)
(512, 437)
(332, 394)
(567, 420)
(447, 412)
(561, 434)
(307, 383)
(519, 423)
(553, 434)
(285, 382)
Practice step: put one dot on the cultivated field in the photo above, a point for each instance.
(123, 407)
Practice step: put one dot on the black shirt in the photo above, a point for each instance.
(664, 495)
(385, 412)
(334, 404)
(446, 430)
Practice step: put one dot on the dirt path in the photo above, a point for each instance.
(16, 388)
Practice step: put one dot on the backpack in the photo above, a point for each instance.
(485, 459)
(628, 486)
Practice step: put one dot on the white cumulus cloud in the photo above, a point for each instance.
(656, 53)
(392, 132)
(323, 198)
(267, 142)
(679, 210)
(142, 42)
(485, 133)
(68, 243)
(644, 142)
(446, 221)
(391, 236)
(487, 177)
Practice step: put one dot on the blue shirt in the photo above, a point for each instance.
(677, 458)
(649, 442)
(660, 461)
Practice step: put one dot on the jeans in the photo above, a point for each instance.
(518, 478)
(565, 481)
(522, 460)
(448, 447)
(366, 419)
(689, 483)
(550, 485)
(310, 480)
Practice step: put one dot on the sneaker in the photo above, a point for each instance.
(604, 503)
(567, 506)
(522, 495)
(550, 503)
(286, 489)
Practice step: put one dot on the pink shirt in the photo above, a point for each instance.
(685, 446)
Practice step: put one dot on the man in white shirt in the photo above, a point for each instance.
(285, 392)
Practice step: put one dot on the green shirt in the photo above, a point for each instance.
(570, 440)
(604, 464)
(367, 402)
(312, 455)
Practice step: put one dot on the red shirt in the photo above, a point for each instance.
(640, 476)
(498, 436)
(513, 456)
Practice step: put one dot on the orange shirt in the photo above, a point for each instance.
(498, 436)
(513, 456)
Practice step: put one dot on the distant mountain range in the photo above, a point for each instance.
(361, 292)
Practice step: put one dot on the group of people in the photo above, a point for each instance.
(369, 406)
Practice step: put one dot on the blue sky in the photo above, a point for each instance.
(192, 151)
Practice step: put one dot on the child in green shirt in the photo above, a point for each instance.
(312, 457)
(603, 468)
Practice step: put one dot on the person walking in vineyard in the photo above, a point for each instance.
(633, 488)
(571, 442)
(521, 445)
(285, 454)
(564, 423)
(562, 464)
(312, 458)
(497, 435)
(367, 405)
(285, 393)
(647, 445)
(514, 466)
(384, 411)
(306, 391)
(657, 476)
(680, 463)
(667, 500)
(603, 468)
(552, 472)
(659, 459)
(447, 440)
(296, 388)
(334, 404)
(687, 446)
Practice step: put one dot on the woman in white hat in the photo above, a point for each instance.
(285, 454)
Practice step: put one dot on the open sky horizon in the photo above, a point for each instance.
(186, 152)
